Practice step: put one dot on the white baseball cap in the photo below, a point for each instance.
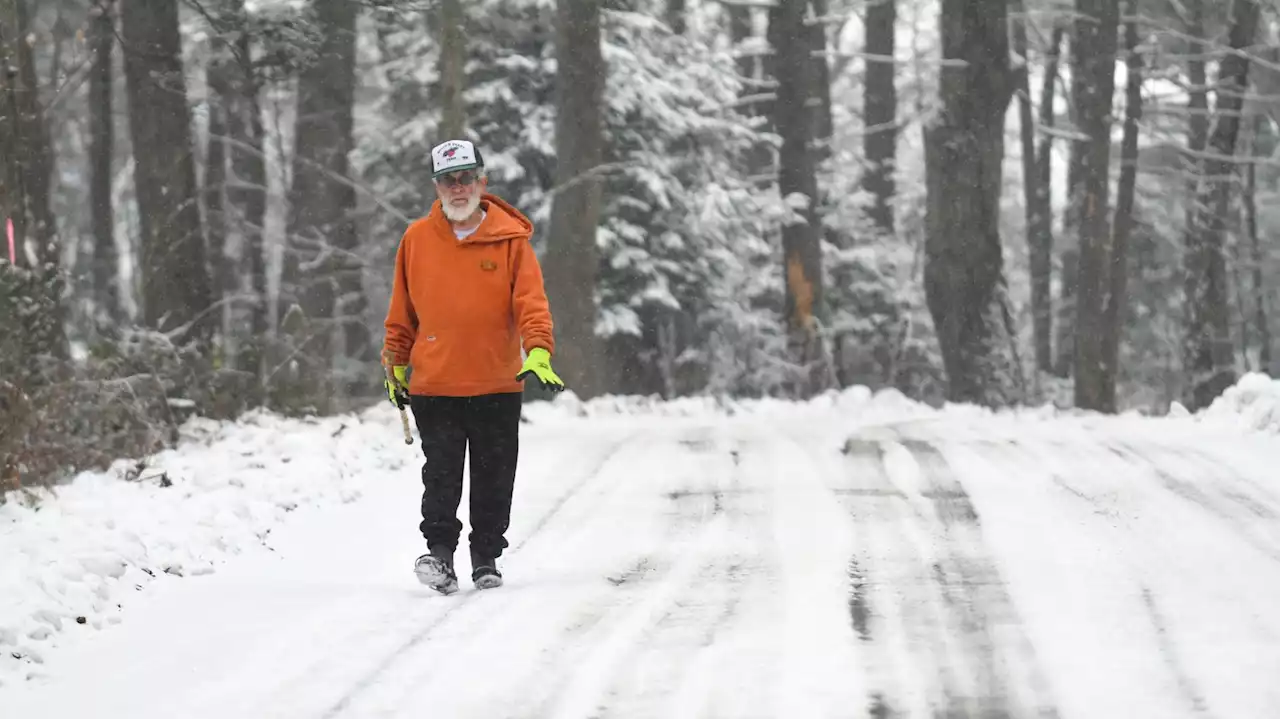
(453, 156)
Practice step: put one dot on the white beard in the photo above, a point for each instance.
(459, 215)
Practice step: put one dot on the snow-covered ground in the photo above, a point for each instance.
(857, 555)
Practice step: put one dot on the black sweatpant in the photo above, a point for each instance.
(490, 426)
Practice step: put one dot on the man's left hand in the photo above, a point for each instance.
(538, 364)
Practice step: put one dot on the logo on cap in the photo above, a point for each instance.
(453, 156)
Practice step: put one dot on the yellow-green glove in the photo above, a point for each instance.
(538, 364)
(397, 384)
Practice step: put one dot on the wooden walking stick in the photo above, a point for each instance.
(404, 416)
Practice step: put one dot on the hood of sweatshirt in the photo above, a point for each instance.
(502, 222)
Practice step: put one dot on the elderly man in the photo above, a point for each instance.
(467, 297)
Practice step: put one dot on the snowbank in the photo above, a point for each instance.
(1252, 404)
(71, 555)
(857, 400)
(567, 405)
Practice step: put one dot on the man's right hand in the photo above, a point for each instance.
(397, 384)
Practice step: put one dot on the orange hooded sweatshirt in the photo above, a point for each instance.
(460, 308)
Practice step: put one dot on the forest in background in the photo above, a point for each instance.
(991, 201)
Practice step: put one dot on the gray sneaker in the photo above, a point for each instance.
(435, 569)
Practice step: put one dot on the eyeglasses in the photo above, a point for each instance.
(466, 179)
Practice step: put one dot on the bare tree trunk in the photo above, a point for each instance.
(1197, 120)
(106, 273)
(13, 199)
(797, 182)
(235, 185)
(1071, 225)
(25, 194)
(1255, 245)
(757, 96)
(572, 261)
(453, 59)
(33, 151)
(839, 342)
(1065, 330)
(964, 273)
(880, 110)
(821, 122)
(675, 16)
(740, 31)
(58, 34)
(821, 118)
(225, 280)
(1030, 177)
(322, 231)
(1208, 353)
(1241, 297)
(1117, 298)
(176, 294)
(1096, 25)
(36, 163)
(1198, 107)
(247, 185)
(1036, 169)
(1042, 262)
(13, 194)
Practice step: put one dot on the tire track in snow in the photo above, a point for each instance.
(670, 666)
(1024, 455)
(663, 609)
(904, 648)
(574, 490)
(1208, 453)
(1186, 686)
(1146, 562)
(588, 625)
(678, 649)
(539, 636)
(695, 678)
(1207, 490)
(696, 599)
(954, 635)
(976, 595)
(1202, 496)
(1231, 484)
(812, 654)
(637, 660)
(593, 470)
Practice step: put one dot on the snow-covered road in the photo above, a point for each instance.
(800, 563)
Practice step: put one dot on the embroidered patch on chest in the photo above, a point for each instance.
(488, 265)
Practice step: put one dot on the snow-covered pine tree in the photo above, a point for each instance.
(689, 290)
(880, 331)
